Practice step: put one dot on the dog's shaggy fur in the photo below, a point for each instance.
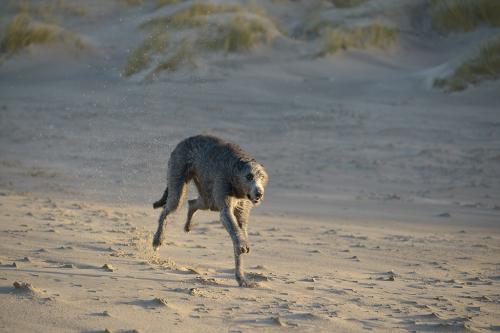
(228, 180)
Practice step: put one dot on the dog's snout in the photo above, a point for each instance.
(258, 195)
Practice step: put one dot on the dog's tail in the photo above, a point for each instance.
(162, 201)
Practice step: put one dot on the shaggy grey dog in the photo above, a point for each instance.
(228, 180)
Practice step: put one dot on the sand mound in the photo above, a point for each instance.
(27, 290)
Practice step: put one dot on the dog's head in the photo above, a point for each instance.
(252, 180)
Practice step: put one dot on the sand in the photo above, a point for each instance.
(382, 212)
(92, 268)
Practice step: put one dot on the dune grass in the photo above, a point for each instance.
(238, 34)
(311, 30)
(242, 29)
(347, 3)
(463, 15)
(132, 2)
(162, 3)
(484, 66)
(373, 35)
(37, 22)
(140, 57)
(193, 16)
(183, 55)
(20, 33)
(49, 11)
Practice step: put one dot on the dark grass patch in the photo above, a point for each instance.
(463, 15)
(484, 66)
(373, 35)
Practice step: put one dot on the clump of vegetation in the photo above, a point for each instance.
(161, 3)
(183, 55)
(238, 34)
(484, 66)
(141, 56)
(193, 16)
(463, 15)
(373, 35)
(132, 2)
(240, 28)
(50, 11)
(71, 38)
(347, 3)
(316, 29)
(22, 32)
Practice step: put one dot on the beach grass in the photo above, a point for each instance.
(463, 15)
(239, 29)
(183, 55)
(193, 16)
(373, 35)
(132, 2)
(162, 3)
(140, 57)
(347, 3)
(485, 65)
(239, 34)
(22, 31)
(49, 11)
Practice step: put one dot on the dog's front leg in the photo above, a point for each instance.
(239, 243)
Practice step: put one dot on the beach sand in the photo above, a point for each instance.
(91, 267)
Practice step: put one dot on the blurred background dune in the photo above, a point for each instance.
(377, 99)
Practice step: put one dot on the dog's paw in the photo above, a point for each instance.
(187, 228)
(157, 241)
(244, 283)
(242, 247)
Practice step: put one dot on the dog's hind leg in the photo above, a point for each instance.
(194, 205)
(177, 188)
(174, 201)
(159, 235)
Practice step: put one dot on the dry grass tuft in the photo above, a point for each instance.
(373, 35)
(193, 16)
(347, 3)
(22, 31)
(141, 56)
(484, 66)
(239, 29)
(183, 55)
(316, 29)
(463, 15)
(238, 34)
(51, 11)
(162, 3)
(132, 2)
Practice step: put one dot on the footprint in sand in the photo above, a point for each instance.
(257, 277)
(161, 301)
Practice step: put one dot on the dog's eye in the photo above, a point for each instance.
(249, 177)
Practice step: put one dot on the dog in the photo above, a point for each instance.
(228, 180)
